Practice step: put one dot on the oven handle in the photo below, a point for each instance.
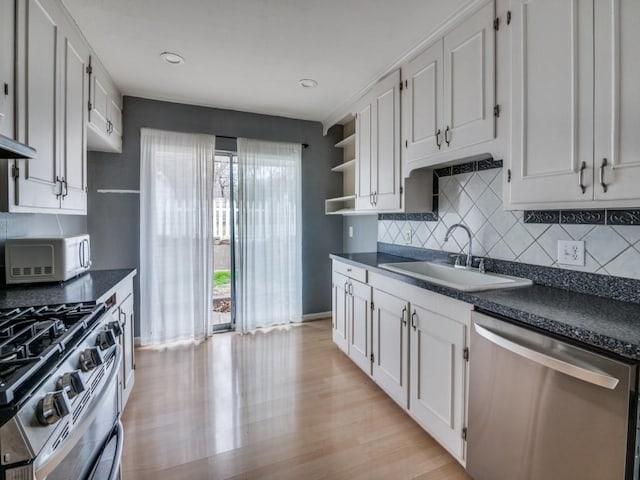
(115, 468)
(42, 470)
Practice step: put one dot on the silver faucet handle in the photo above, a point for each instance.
(457, 257)
(481, 266)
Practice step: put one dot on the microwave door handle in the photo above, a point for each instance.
(87, 253)
(575, 371)
(81, 254)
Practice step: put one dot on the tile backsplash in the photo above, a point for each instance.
(475, 199)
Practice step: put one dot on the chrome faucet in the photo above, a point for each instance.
(466, 229)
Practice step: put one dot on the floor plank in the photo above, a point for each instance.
(282, 404)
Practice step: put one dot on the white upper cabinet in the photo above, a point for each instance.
(575, 105)
(51, 97)
(617, 100)
(422, 116)
(552, 101)
(449, 94)
(378, 146)
(6, 68)
(105, 111)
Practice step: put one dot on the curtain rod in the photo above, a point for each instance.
(304, 145)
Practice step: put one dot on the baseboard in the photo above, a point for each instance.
(310, 317)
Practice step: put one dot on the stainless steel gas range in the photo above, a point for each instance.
(59, 405)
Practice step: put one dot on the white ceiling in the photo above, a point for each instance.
(248, 55)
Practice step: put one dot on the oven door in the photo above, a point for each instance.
(97, 443)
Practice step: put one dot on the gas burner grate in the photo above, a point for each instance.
(33, 338)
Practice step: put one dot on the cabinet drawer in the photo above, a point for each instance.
(350, 271)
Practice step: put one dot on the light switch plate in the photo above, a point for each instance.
(407, 234)
(570, 253)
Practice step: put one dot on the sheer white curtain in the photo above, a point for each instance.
(268, 248)
(176, 239)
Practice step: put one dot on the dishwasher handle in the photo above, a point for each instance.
(575, 371)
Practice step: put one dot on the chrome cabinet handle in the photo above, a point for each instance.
(346, 289)
(438, 142)
(446, 135)
(403, 316)
(66, 187)
(375, 198)
(581, 177)
(371, 198)
(350, 288)
(413, 320)
(58, 195)
(602, 184)
(562, 366)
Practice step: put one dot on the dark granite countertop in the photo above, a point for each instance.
(606, 324)
(87, 287)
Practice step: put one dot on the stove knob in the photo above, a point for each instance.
(90, 358)
(105, 339)
(116, 328)
(72, 383)
(52, 407)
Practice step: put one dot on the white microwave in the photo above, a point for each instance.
(46, 259)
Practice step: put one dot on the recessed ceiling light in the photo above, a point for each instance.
(172, 58)
(307, 83)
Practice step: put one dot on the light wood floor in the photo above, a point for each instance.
(286, 404)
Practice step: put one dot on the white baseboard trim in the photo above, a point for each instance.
(310, 317)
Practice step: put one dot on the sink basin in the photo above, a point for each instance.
(464, 279)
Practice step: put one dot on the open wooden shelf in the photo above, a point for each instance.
(344, 166)
(346, 141)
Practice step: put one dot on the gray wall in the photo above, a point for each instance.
(28, 224)
(114, 219)
(365, 233)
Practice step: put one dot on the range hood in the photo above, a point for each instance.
(9, 148)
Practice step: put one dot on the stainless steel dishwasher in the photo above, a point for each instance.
(542, 409)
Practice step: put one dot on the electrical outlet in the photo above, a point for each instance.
(570, 253)
(350, 231)
(408, 235)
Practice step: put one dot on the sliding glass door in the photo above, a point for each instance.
(224, 228)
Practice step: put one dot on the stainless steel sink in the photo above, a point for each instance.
(463, 279)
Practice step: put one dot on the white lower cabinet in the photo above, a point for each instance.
(414, 344)
(359, 322)
(391, 345)
(340, 293)
(351, 330)
(437, 361)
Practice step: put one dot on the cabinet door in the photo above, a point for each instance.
(438, 376)
(340, 326)
(73, 169)
(552, 100)
(422, 106)
(617, 101)
(385, 170)
(364, 155)
(38, 47)
(115, 117)
(469, 83)
(390, 345)
(6, 68)
(125, 312)
(359, 319)
(99, 113)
